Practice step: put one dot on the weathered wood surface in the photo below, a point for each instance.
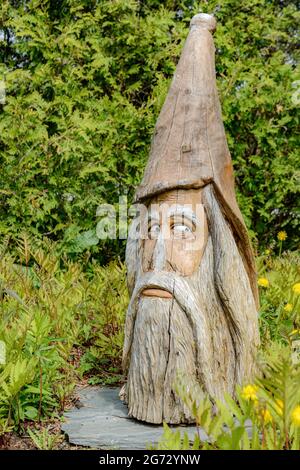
(208, 329)
(189, 147)
(192, 281)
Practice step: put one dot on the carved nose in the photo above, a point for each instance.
(159, 254)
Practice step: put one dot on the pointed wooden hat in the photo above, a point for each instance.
(189, 147)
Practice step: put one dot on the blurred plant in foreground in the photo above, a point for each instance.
(264, 416)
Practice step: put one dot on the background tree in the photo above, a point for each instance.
(85, 81)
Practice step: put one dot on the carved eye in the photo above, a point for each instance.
(154, 230)
(181, 231)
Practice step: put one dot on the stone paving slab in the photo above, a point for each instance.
(102, 423)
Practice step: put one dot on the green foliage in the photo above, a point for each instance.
(268, 407)
(106, 325)
(84, 85)
(279, 304)
(43, 440)
(51, 314)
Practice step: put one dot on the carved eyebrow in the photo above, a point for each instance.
(185, 212)
(175, 209)
(153, 216)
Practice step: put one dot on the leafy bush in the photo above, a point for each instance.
(84, 85)
(52, 314)
(280, 305)
(109, 301)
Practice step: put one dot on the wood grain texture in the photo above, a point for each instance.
(207, 328)
(208, 331)
(189, 147)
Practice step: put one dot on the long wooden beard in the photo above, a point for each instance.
(163, 345)
(188, 334)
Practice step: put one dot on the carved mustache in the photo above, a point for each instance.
(177, 286)
(186, 296)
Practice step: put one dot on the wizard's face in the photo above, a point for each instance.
(176, 235)
(164, 306)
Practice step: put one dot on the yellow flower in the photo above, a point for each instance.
(288, 307)
(279, 406)
(294, 332)
(263, 282)
(296, 288)
(282, 235)
(296, 416)
(266, 415)
(249, 392)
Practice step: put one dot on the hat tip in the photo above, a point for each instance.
(204, 21)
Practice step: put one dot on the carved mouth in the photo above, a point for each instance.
(157, 292)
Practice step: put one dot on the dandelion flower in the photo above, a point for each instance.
(296, 288)
(296, 416)
(282, 235)
(266, 415)
(294, 332)
(279, 406)
(288, 307)
(263, 282)
(249, 392)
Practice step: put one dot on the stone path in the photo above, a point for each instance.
(102, 423)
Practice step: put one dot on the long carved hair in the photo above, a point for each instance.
(233, 289)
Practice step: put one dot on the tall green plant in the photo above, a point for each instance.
(51, 315)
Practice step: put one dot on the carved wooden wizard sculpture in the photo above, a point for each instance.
(191, 271)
